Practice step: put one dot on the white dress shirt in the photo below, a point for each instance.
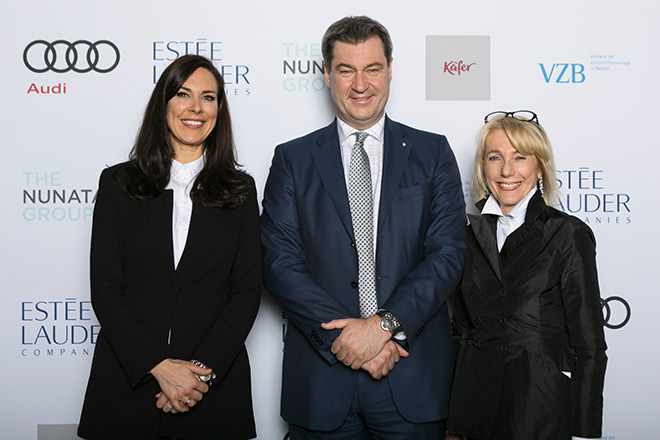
(182, 177)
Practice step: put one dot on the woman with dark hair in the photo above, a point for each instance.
(175, 273)
(528, 323)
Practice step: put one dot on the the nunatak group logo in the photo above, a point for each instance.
(47, 198)
(584, 193)
(235, 73)
(457, 68)
(302, 67)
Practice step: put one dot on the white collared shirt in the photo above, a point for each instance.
(182, 177)
(374, 146)
(506, 224)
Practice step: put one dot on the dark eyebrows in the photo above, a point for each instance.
(344, 65)
(376, 64)
(203, 91)
(348, 66)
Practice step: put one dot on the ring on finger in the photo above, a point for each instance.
(188, 401)
(168, 404)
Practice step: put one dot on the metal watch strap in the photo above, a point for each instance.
(209, 378)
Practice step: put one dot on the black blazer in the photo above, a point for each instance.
(209, 302)
(524, 316)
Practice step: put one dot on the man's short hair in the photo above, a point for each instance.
(354, 30)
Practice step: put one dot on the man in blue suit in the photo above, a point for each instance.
(363, 233)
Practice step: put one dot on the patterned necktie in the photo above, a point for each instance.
(362, 211)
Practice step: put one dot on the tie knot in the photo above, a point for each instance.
(360, 136)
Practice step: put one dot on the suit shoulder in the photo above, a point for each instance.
(415, 132)
(572, 224)
(304, 142)
(114, 175)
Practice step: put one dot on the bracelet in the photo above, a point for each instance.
(209, 378)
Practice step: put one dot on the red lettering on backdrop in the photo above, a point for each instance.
(457, 67)
(57, 89)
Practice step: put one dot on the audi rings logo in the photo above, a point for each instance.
(617, 312)
(61, 56)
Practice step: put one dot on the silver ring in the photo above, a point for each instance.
(168, 404)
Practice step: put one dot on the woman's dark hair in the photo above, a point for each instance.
(220, 183)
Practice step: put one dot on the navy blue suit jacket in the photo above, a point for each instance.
(311, 268)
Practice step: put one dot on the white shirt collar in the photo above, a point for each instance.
(193, 167)
(507, 224)
(517, 212)
(377, 130)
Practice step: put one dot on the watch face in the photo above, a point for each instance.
(389, 322)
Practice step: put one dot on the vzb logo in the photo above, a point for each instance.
(563, 73)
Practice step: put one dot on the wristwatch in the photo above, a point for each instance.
(209, 378)
(388, 321)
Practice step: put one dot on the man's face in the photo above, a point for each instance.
(359, 80)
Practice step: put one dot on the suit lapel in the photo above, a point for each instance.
(327, 159)
(534, 209)
(484, 227)
(200, 227)
(160, 219)
(395, 157)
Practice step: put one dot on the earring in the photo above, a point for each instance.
(539, 184)
(486, 192)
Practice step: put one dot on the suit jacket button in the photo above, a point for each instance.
(501, 293)
(353, 245)
(503, 347)
(354, 285)
(477, 321)
(502, 320)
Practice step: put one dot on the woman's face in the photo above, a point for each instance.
(510, 176)
(192, 113)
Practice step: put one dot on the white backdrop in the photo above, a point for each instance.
(588, 69)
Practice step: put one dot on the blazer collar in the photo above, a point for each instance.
(159, 211)
(327, 159)
(485, 230)
(326, 156)
(535, 208)
(396, 150)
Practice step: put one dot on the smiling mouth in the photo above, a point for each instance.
(191, 123)
(362, 98)
(505, 185)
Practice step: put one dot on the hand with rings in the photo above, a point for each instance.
(180, 388)
(163, 403)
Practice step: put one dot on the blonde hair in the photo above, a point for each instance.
(528, 138)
